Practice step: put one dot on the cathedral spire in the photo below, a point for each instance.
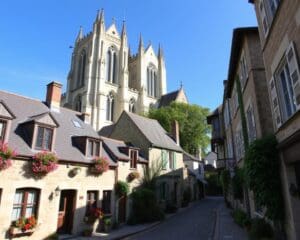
(123, 34)
(100, 16)
(160, 52)
(141, 44)
(80, 34)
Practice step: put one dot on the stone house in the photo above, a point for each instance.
(279, 28)
(60, 200)
(158, 147)
(244, 97)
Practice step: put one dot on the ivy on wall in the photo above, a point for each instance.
(262, 173)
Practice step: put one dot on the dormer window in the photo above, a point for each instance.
(2, 130)
(93, 148)
(133, 158)
(44, 138)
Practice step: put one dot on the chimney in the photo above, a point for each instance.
(53, 95)
(175, 132)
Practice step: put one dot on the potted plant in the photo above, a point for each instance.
(133, 175)
(6, 154)
(107, 223)
(100, 165)
(44, 162)
(23, 226)
(121, 188)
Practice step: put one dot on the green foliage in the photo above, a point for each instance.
(260, 230)
(238, 182)
(262, 171)
(240, 217)
(121, 188)
(192, 123)
(151, 173)
(225, 180)
(213, 184)
(144, 207)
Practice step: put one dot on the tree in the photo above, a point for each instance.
(194, 129)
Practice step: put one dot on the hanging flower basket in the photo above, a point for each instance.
(44, 162)
(133, 175)
(100, 165)
(6, 154)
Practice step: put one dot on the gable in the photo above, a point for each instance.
(4, 112)
(150, 51)
(181, 97)
(112, 30)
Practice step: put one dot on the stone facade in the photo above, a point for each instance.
(279, 35)
(105, 78)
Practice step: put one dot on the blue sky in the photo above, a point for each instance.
(195, 35)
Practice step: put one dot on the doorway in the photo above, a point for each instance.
(122, 209)
(66, 211)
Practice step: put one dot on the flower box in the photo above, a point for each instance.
(15, 232)
(100, 165)
(44, 162)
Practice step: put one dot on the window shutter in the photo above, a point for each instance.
(263, 17)
(164, 159)
(291, 57)
(174, 160)
(275, 103)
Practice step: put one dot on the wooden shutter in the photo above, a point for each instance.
(275, 103)
(291, 57)
(164, 159)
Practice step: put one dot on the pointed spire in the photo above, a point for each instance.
(141, 43)
(100, 16)
(123, 30)
(80, 34)
(160, 52)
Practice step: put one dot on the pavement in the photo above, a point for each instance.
(207, 219)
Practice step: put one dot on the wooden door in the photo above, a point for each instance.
(122, 209)
(66, 211)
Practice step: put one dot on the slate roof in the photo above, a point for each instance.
(24, 108)
(107, 130)
(154, 132)
(166, 99)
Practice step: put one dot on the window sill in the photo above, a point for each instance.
(288, 121)
(16, 233)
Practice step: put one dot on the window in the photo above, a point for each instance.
(93, 148)
(106, 202)
(267, 10)
(172, 160)
(132, 105)
(91, 201)
(239, 143)
(78, 104)
(251, 124)
(151, 81)
(285, 91)
(133, 158)
(111, 65)
(164, 159)
(110, 107)
(2, 130)
(81, 69)
(25, 203)
(243, 70)
(44, 138)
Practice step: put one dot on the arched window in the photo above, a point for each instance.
(110, 107)
(78, 103)
(111, 66)
(132, 105)
(151, 81)
(81, 69)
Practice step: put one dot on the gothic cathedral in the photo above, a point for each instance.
(105, 78)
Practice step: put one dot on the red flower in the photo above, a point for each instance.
(44, 162)
(5, 156)
(100, 165)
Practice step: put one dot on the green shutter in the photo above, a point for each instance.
(174, 160)
(164, 159)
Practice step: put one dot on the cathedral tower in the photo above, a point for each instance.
(106, 79)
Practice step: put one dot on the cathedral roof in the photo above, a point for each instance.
(166, 99)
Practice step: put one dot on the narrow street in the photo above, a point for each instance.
(207, 219)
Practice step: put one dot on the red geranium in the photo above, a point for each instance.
(44, 162)
(5, 156)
